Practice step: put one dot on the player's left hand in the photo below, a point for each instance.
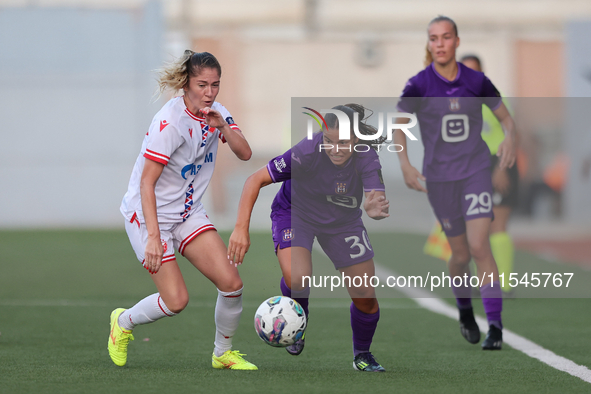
(238, 246)
(213, 118)
(376, 206)
(506, 152)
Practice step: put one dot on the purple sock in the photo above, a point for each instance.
(363, 326)
(463, 296)
(492, 299)
(302, 296)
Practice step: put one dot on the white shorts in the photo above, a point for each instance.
(173, 235)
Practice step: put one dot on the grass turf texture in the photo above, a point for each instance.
(57, 289)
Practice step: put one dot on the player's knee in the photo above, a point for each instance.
(460, 259)
(480, 249)
(178, 303)
(231, 285)
(367, 305)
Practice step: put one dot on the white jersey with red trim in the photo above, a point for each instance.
(187, 147)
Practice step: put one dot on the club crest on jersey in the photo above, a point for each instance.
(341, 188)
(454, 104)
(288, 234)
(446, 224)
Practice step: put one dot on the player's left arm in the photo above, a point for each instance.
(234, 137)
(507, 148)
(376, 205)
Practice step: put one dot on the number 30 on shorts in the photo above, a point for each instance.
(362, 247)
(480, 203)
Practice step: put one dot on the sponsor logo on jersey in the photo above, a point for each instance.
(229, 120)
(209, 157)
(191, 169)
(380, 177)
(163, 124)
(446, 224)
(288, 234)
(280, 164)
(164, 245)
(341, 188)
(454, 104)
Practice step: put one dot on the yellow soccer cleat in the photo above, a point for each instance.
(232, 360)
(118, 339)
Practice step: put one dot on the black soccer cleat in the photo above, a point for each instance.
(468, 326)
(366, 363)
(494, 339)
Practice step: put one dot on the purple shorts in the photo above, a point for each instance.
(456, 202)
(344, 245)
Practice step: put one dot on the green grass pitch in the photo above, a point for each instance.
(57, 289)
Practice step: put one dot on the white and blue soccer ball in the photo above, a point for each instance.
(280, 321)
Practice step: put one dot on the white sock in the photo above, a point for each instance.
(146, 311)
(228, 309)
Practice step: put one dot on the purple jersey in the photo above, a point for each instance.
(318, 191)
(450, 119)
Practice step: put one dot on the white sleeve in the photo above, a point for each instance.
(163, 140)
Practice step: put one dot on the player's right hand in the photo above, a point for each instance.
(153, 255)
(411, 178)
(238, 246)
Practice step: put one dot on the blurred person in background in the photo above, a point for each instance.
(505, 195)
(456, 168)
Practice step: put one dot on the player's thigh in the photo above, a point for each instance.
(362, 283)
(478, 233)
(502, 213)
(198, 241)
(460, 250)
(208, 253)
(171, 286)
(294, 273)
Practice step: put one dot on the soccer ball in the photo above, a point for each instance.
(280, 321)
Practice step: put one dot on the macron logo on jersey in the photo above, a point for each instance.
(191, 132)
(163, 124)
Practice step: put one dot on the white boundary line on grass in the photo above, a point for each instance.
(517, 342)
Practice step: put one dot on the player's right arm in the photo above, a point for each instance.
(411, 174)
(240, 240)
(154, 250)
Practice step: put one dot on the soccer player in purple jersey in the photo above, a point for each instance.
(447, 98)
(324, 180)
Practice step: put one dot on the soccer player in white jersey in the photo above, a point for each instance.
(163, 210)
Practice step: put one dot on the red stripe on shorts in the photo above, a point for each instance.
(194, 235)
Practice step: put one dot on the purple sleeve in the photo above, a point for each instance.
(491, 96)
(280, 167)
(371, 172)
(408, 101)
